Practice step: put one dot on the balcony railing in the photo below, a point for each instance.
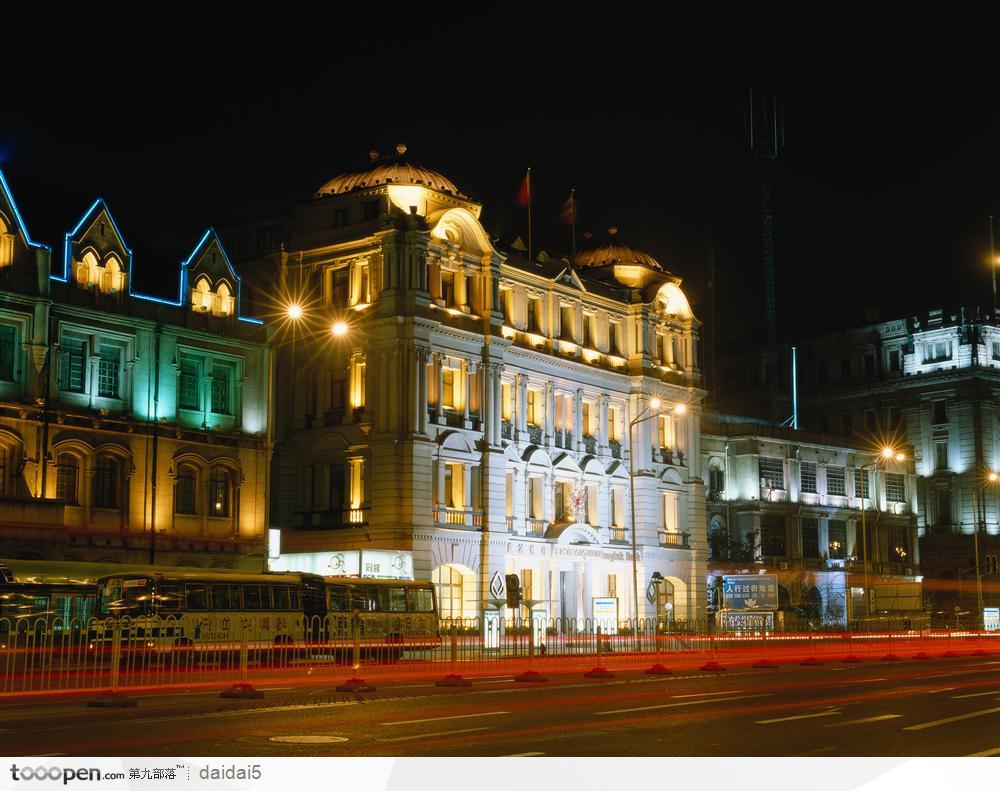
(459, 517)
(619, 535)
(615, 446)
(536, 527)
(333, 519)
(535, 435)
(676, 540)
(590, 444)
(454, 419)
(506, 429)
(511, 521)
(558, 438)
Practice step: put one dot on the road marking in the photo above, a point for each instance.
(950, 675)
(877, 718)
(432, 735)
(945, 721)
(976, 694)
(819, 750)
(45, 755)
(703, 694)
(685, 703)
(799, 717)
(453, 717)
(983, 754)
(862, 681)
(273, 689)
(308, 739)
(522, 755)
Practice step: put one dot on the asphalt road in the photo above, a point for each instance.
(941, 707)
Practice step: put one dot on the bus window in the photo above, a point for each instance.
(338, 599)
(294, 596)
(391, 600)
(126, 597)
(225, 597)
(279, 595)
(168, 598)
(195, 596)
(255, 597)
(420, 600)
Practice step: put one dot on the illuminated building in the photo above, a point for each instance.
(125, 416)
(933, 382)
(787, 503)
(444, 397)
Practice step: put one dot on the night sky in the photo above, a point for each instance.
(882, 192)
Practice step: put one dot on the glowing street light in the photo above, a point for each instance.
(991, 481)
(294, 311)
(339, 329)
(887, 454)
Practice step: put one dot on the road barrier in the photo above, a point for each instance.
(51, 655)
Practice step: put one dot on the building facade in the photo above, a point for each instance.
(132, 428)
(788, 503)
(488, 413)
(932, 383)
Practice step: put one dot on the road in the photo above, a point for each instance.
(941, 707)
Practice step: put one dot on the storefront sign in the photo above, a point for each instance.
(750, 592)
(991, 619)
(747, 621)
(606, 615)
(367, 563)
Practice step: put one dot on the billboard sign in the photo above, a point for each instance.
(747, 622)
(991, 619)
(606, 615)
(368, 563)
(750, 592)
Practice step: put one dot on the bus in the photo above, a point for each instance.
(207, 611)
(44, 603)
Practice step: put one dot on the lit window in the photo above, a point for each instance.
(106, 479)
(189, 384)
(67, 477)
(221, 379)
(808, 476)
(8, 346)
(184, 489)
(836, 483)
(772, 472)
(108, 371)
(72, 364)
(219, 492)
(894, 487)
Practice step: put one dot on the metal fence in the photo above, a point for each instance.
(46, 655)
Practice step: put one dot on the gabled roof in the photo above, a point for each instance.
(8, 198)
(97, 208)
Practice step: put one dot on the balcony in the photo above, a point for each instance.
(463, 518)
(511, 522)
(535, 435)
(506, 429)
(615, 446)
(333, 519)
(670, 456)
(454, 419)
(619, 535)
(559, 438)
(536, 527)
(590, 444)
(674, 540)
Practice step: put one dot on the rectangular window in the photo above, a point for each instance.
(226, 597)
(941, 455)
(836, 484)
(370, 209)
(837, 543)
(934, 352)
(221, 379)
(526, 584)
(340, 288)
(894, 360)
(808, 476)
(859, 481)
(899, 546)
(448, 389)
(614, 423)
(195, 596)
(940, 413)
(716, 483)
(566, 321)
(772, 536)
(448, 287)
(73, 361)
(108, 370)
(535, 401)
(810, 538)
(894, 487)
(614, 338)
(535, 315)
(590, 331)
(255, 597)
(996, 350)
(8, 339)
(189, 385)
(772, 471)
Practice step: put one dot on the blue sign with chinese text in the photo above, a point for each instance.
(750, 592)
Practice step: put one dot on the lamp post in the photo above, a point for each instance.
(887, 454)
(992, 479)
(655, 409)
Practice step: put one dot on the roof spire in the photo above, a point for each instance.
(373, 155)
(400, 149)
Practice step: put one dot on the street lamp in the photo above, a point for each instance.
(992, 479)
(338, 329)
(655, 409)
(886, 455)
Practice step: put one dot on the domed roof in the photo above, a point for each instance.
(615, 253)
(390, 169)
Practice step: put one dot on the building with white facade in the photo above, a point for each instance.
(440, 396)
(788, 503)
(133, 428)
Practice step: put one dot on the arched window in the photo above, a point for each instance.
(112, 278)
(223, 300)
(218, 492)
(68, 478)
(6, 244)
(184, 490)
(106, 475)
(87, 269)
(201, 296)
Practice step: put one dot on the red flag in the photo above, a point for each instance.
(524, 193)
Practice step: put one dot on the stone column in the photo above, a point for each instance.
(439, 396)
(467, 371)
(578, 419)
(497, 403)
(602, 424)
(520, 406)
(549, 414)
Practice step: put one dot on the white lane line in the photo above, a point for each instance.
(453, 717)
(409, 686)
(273, 689)
(945, 721)
(985, 753)
(863, 720)
(705, 694)
(45, 755)
(799, 717)
(432, 735)
(685, 703)
(959, 673)
(522, 755)
(977, 694)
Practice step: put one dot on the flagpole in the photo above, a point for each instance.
(529, 214)
(572, 212)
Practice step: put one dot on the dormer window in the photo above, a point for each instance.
(109, 277)
(218, 303)
(224, 302)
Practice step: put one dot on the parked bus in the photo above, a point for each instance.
(219, 611)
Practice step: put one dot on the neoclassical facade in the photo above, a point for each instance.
(489, 413)
(132, 428)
